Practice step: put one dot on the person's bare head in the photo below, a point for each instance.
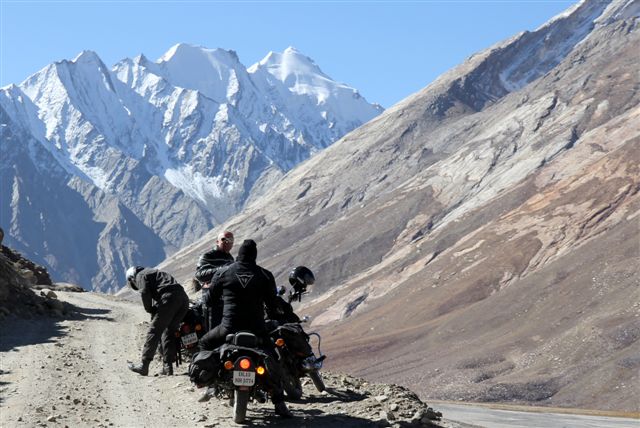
(225, 241)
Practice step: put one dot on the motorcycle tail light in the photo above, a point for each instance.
(280, 342)
(185, 328)
(260, 370)
(198, 327)
(245, 364)
(177, 334)
(228, 365)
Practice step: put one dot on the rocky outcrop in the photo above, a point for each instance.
(20, 278)
(385, 404)
(33, 273)
(17, 297)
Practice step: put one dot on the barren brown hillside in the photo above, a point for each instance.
(481, 239)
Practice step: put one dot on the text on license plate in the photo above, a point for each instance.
(189, 339)
(242, 378)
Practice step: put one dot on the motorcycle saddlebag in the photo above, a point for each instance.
(204, 367)
(295, 338)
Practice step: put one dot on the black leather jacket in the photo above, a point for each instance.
(209, 262)
(246, 289)
(153, 285)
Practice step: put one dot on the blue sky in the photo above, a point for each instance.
(386, 49)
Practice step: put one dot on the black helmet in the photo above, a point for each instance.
(301, 277)
(131, 276)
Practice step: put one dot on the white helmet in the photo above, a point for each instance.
(130, 274)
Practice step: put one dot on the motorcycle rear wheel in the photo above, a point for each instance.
(316, 378)
(241, 399)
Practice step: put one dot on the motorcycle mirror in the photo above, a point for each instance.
(281, 290)
(305, 318)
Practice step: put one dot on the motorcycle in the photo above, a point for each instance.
(189, 333)
(243, 374)
(294, 351)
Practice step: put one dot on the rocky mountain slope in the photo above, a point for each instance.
(132, 163)
(480, 239)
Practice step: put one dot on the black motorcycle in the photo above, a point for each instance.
(293, 348)
(242, 374)
(189, 333)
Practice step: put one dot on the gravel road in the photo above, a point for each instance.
(72, 372)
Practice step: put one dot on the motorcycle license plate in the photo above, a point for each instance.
(189, 339)
(242, 378)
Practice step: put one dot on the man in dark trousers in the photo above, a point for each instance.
(167, 303)
(246, 289)
(208, 264)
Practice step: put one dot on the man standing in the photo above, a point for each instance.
(246, 289)
(167, 303)
(207, 265)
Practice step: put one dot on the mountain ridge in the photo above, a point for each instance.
(179, 159)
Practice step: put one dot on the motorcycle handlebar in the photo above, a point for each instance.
(293, 295)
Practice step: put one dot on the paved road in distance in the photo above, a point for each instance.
(492, 418)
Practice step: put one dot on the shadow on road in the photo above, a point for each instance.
(17, 332)
(3, 387)
(79, 313)
(333, 396)
(316, 418)
(305, 417)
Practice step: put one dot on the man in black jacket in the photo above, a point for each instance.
(208, 264)
(167, 303)
(246, 289)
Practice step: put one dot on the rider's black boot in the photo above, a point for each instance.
(141, 369)
(167, 369)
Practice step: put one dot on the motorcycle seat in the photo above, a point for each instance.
(243, 338)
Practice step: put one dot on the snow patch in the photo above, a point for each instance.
(550, 44)
(564, 14)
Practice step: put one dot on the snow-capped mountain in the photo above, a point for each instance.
(171, 147)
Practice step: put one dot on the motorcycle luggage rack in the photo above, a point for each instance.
(243, 338)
